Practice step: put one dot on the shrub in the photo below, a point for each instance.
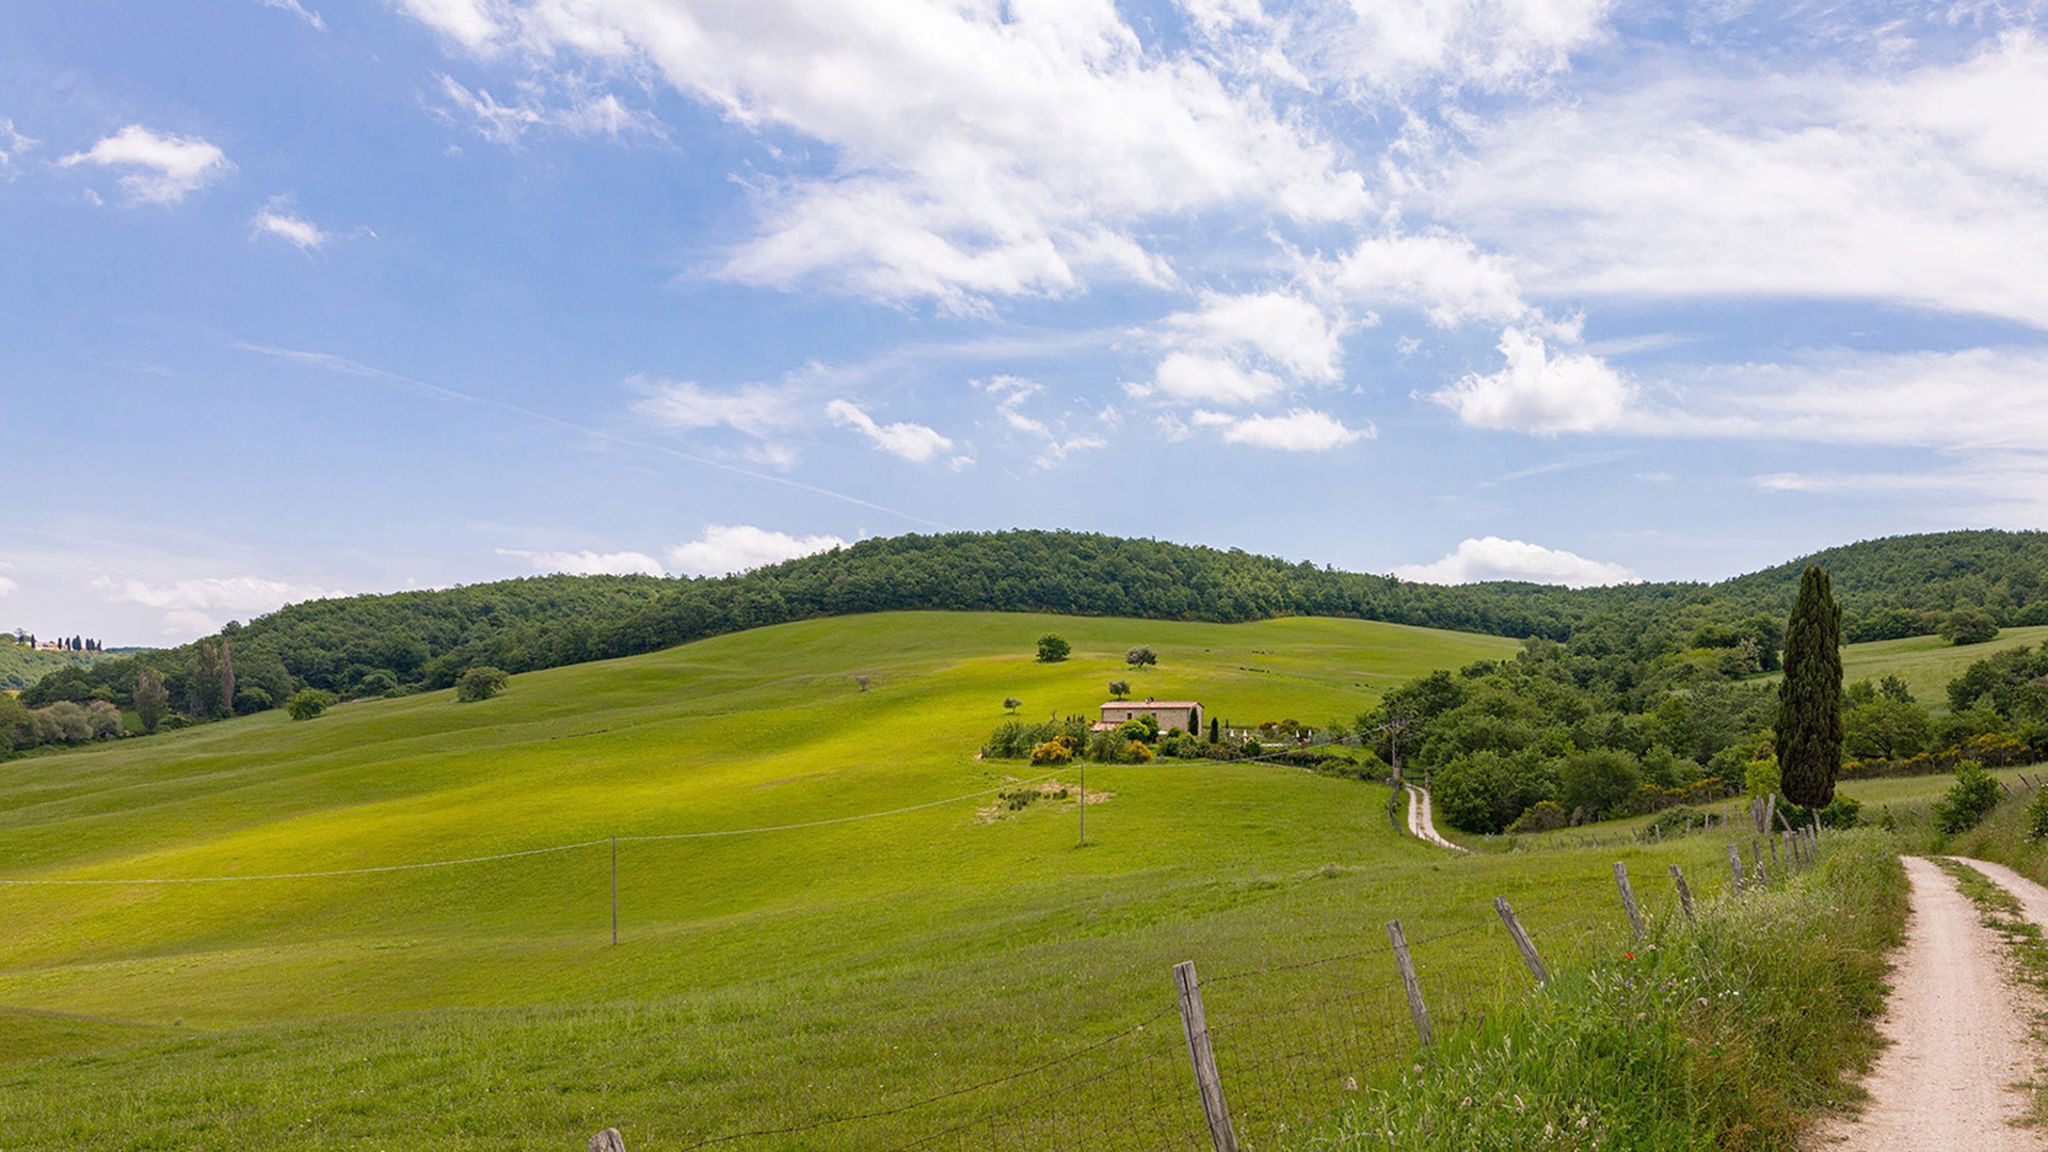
(1542, 816)
(1969, 626)
(1052, 753)
(307, 703)
(1144, 729)
(2037, 816)
(1138, 752)
(1968, 800)
(479, 682)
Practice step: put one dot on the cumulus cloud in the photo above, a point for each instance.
(1925, 186)
(1492, 558)
(1210, 380)
(163, 169)
(1286, 330)
(1445, 276)
(276, 220)
(913, 442)
(200, 605)
(1540, 390)
(979, 151)
(1395, 45)
(757, 410)
(729, 548)
(588, 563)
(1300, 430)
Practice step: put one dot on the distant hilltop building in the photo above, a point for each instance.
(1185, 715)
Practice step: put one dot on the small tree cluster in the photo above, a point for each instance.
(1053, 648)
(480, 682)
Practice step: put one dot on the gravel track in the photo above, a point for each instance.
(1959, 1033)
(1422, 821)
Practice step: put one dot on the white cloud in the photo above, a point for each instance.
(725, 549)
(1492, 558)
(588, 563)
(579, 111)
(977, 150)
(913, 442)
(1300, 430)
(297, 9)
(757, 410)
(1447, 277)
(7, 585)
(1286, 330)
(199, 605)
(1924, 186)
(1977, 399)
(1403, 44)
(1209, 379)
(1012, 391)
(12, 144)
(171, 167)
(277, 221)
(1540, 391)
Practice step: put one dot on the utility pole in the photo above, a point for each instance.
(1084, 802)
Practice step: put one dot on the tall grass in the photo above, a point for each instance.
(1732, 1033)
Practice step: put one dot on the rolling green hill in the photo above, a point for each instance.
(758, 977)
(368, 645)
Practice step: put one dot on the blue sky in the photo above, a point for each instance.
(307, 298)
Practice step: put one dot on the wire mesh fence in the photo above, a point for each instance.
(1245, 1059)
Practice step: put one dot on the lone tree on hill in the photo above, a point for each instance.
(1119, 688)
(1053, 648)
(1012, 703)
(1140, 656)
(1969, 626)
(479, 682)
(1809, 729)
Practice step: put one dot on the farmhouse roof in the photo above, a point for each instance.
(1151, 703)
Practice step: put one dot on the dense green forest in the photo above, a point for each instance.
(380, 644)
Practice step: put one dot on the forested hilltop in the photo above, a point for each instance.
(380, 644)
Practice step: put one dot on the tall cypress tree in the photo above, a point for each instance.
(1809, 731)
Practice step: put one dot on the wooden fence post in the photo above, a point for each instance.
(615, 889)
(1684, 891)
(608, 1140)
(1772, 840)
(1762, 880)
(1196, 1025)
(1416, 1007)
(1735, 865)
(1522, 941)
(1628, 899)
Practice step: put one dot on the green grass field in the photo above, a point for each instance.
(761, 980)
(1927, 663)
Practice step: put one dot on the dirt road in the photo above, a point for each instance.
(1422, 822)
(1960, 1038)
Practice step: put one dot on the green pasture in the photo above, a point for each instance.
(1927, 663)
(762, 980)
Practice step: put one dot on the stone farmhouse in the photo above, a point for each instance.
(1185, 715)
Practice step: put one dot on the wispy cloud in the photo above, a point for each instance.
(297, 9)
(162, 169)
(276, 219)
(913, 442)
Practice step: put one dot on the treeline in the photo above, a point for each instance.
(411, 641)
(1557, 736)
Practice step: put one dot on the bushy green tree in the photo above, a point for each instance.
(1141, 657)
(1053, 648)
(1809, 726)
(1968, 800)
(1969, 626)
(151, 699)
(1600, 780)
(481, 682)
(307, 703)
(1119, 688)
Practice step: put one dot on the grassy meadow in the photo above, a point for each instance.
(798, 973)
(1927, 663)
